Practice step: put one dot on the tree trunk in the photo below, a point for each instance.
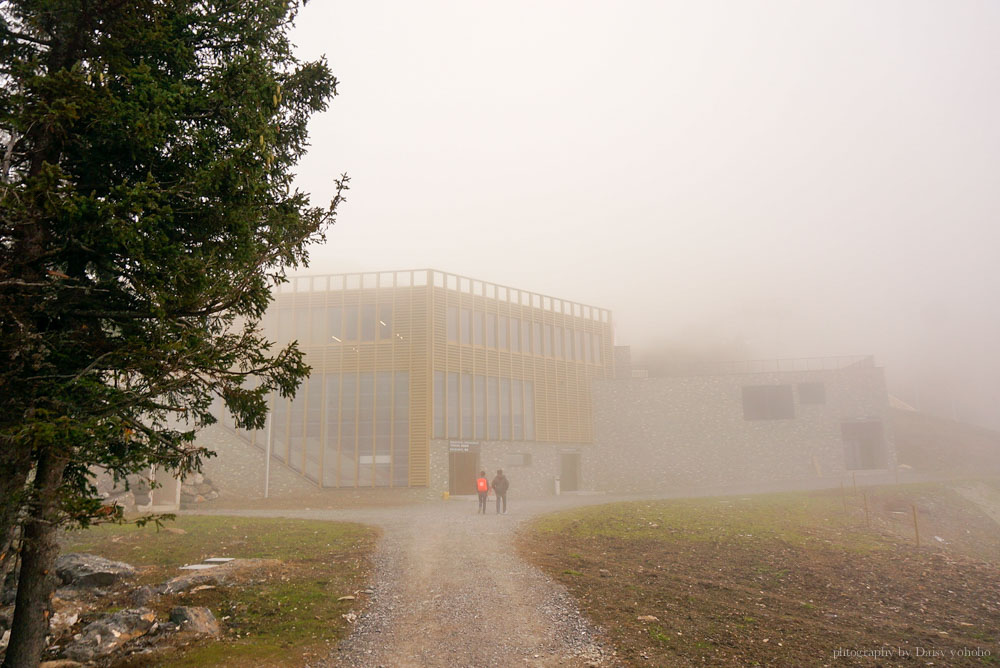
(12, 493)
(38, 554)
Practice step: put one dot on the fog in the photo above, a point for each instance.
(763, 179)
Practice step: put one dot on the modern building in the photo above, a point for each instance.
(422, 378)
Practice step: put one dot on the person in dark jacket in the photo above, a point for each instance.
(500, 485)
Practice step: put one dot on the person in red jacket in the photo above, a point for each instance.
(483, 489)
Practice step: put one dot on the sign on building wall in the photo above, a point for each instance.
(463, 446)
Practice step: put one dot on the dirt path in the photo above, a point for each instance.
(451, 592)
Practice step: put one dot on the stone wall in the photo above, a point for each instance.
(659, 433)
(237, 472)
(535, 479)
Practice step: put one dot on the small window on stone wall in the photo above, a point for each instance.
(812, 393)
(514, 459)
(768, 402)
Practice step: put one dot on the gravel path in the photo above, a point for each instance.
(452, 592)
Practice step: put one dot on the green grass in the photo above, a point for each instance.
(280, 617)
(796, 519)
(657, 635)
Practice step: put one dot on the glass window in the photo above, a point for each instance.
(330, 456)
(318, 334)
(401, 431)
(302, 325)
(286, 320)
(335, 324)
(812, 393)
(314, 418)
(368, 322)
(348, 429)
(529, 410)
(523, 341)
(295, 428)
(366, 425)
(570, 348)
(491, 330)
(453, 405)
(504, 323)
(478, 318)
(351, 323)
(383, 428)
(598, 343)
(768, 402)
(505, 408)
(518, 412)
(467, 406)
(537, 347)
(466, 335)
(557, 342)
(385, 321)
(493, 424)
(279, 437)
(480, 389)
(439, 431)
(547, 341)
(452, 324)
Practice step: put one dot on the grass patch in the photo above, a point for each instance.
(285, 613)
(779, 579)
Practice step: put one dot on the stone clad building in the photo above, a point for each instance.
(740, 422)
(422, 378)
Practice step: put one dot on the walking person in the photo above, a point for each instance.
(483, 489)
(500, 485)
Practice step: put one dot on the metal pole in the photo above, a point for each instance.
(267, 456)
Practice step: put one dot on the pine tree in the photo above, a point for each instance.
(146, 208)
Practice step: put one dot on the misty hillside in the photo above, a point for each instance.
(934, 444)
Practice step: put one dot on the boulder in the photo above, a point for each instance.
(141, 595)
(199, 620)
(90, 570)
(107, 634)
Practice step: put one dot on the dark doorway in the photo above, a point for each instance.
(463, 469)
(864, 445)
(569, 471)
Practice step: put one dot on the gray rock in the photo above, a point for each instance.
(142, 595)
(198, 620)
(90, 570)
(107, 634)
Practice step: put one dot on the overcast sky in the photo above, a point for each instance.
(799, 178)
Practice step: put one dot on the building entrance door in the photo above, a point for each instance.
(463, 469)
(569, 471)
(864, 445)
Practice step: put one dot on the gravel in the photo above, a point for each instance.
(451, 591)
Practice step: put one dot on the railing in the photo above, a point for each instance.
(440, 279)
(773, 366)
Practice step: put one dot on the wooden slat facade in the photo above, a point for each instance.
(417, 342)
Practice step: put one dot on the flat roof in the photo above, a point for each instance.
(440, 279)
